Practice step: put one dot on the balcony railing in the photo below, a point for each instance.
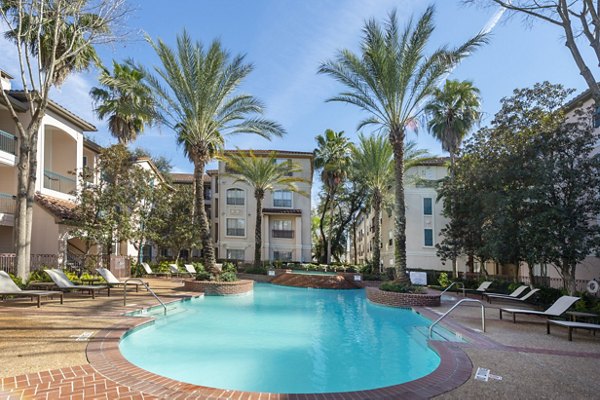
(58, 182)
(284, 234)
(7, 203)
(8, 142)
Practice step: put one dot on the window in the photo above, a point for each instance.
(236, 254)
(282, 229)
(235, 197)
(282, 198)
(428, 236)
(236, 227)
(427, 206)
(282, 255)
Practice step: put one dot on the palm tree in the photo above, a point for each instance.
(262, 174)
(452, 111)
(390, 79)
(332, 158)
(373, 165)
(197, 88)
(126, 99)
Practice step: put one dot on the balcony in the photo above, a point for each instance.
(283, 234)
(59, 183)
(8, 148)
(8, 203)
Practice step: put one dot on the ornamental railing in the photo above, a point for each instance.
(8, 203)
(8, 142)
(59, 183)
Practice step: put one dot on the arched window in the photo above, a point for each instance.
(235, 197)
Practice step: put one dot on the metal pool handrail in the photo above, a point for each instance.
(455, 283)
(147, 288)
(452, 309)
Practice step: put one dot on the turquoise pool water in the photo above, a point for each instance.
(285, 340)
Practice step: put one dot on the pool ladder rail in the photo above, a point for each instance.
(452, 284)
(147, 288)
(452, 309)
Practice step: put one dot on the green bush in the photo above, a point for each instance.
(229, 267)
(18, 281)
(203, 276)
(137, 270)
(39, 276)
(392, 286)
(443, 280)
(260, 270)
(162, 267)
(228, 277)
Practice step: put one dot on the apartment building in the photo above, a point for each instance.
(286, 228)
(424, 222)
(62, 151)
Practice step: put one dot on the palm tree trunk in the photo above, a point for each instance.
(377, 215)
(330, 233)
(323, 255)
(258, 229)
(454, 261)
(397, 141)
(354, 246)
(208, 252)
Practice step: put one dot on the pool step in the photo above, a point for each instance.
(440, 334)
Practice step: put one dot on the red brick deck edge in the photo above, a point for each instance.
(104, 356)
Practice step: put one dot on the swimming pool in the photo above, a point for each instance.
(285, 340)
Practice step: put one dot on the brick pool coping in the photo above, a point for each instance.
(104, 356)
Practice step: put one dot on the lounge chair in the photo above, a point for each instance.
(113, 281)
(522, 299)
(65, 284)
(481, 289)
(175, 270)
(572, 325)
(516, 293)
(152, 273)
(190, 269)
(557, 309)
(9, 288)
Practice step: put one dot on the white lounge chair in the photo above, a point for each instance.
(515, 292)
(522, 299)
(152, 273)
(572, 325)
(112, 280)
(557, 309)
(175, 270)
(481, 289)
(9, 288)
(190, 269)
(65, 284)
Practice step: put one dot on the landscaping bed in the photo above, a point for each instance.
(396, 299)
(213, 288)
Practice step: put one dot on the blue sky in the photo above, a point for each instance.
(286, 40)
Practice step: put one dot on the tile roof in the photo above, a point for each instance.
(268, 152)
(63, 209)
(57, 108)
(282, 211)
(186, 178)
(434, 161)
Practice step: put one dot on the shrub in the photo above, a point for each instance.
(260, 270)
(393, 286)
(203, 276)
(229, 267)
(443, 280)
(162, 266)
(228, 277)
(39, 276)
(137, 270)
(18, 281)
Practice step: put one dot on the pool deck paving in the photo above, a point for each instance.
(70, 351)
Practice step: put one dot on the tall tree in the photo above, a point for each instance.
(332, 158)
(262, 174)
(53, 38)
(125, 99)
(453, 111)
(373, 163)
(390, 79)
(579, 21)
(196, 88)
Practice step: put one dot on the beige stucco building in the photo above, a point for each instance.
(424, 222)
(286, 229)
